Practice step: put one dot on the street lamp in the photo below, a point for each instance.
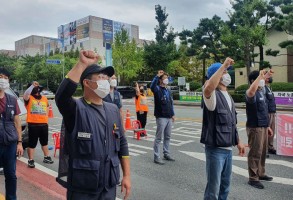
(204, 64)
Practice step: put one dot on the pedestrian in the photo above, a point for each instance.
(37, 120)
(141, 106)
(114, 96)
(219, 131)
(272, 112)
(257, 128)
(10, 135)
(164, 113)
(96, 140)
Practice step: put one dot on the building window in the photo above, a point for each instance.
(241, 73)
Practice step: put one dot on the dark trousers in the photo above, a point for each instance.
(142, 118)
(8, 161)
(104, 195)
(272, 125)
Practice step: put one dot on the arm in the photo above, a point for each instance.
(154, 84)
(28, 92)
(126, 181)
(213, 82)
(137, 90)
(254, 86)
(17, 123)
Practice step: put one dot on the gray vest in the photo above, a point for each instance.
(93, 146)
(8, 133)
(116, 100)
(219, 126)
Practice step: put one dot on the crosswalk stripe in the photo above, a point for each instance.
(139, 146)
(133, 154)
(137, 151)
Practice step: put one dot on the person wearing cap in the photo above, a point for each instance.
(114, 96)
(94, 135)
(10, 135)
(257, 128)
(219, 131)
(164, 113)
(37, 120)
(272, 108)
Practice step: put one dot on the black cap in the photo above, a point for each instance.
(4, 72)
(41, 88)
(95, 69)
(253, 75)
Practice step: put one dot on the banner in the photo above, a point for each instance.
(284, 131)
(118, 26)
(82, 29)
(284, 98)
(107, 31)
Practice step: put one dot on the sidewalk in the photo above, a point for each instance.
(35, 184)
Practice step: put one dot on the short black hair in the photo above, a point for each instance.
(253, 76)
(164, 74)
(4, 71)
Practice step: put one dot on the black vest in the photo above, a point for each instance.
(117, 99)
(270, 100)
(257, 112)
(93, 149)
(8, 133)
(219, 126)
(163, 103)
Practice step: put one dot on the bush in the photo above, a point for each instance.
(194, 86)
(278, 86)
(241, 89)
(78, 92)
(176, 96)
(238, 98)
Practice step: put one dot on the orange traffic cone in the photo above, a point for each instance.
(128, 121)
(50, 113)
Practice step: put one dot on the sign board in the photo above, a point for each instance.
(187, 86)
(284, 130)
(181, 81)
(190, 96)
(284, 98)
(57, 62)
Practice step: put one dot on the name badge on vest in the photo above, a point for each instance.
(83, 135)
(261, 98)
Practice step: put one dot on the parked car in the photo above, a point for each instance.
(22, 116)
(48, 94)
(126, 91)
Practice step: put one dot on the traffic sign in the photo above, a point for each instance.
(181, 81)
(57, 62)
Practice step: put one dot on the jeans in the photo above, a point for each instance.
(218, 172)
(8, 160)
(164, 126)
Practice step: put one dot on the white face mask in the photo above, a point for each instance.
(261, 83)
(166, 81)
(4, 84)
(103, 88)
(226, 79)
(113, 83)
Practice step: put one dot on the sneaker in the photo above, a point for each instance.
(169, 158)
(159, 161)
(266, 178)
(31, 163)
(256, 184)
(272, 151)
(48, 160)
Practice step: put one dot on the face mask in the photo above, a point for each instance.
(261, 83)
(113, 83)
(226, 79)
(141, 90)
(103, 88)
(35, 90)
(4, 84)
(270, 80)
(166, 81)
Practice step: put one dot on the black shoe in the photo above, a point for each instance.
(266, 178)
(256, 184)
(31, 163)
(272, 151)
(159, 161)
(48, 160)
(169, 158)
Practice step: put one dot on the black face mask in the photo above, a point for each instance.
(141, 90)
(35, 90)
(270, 80)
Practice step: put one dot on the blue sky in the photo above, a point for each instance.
(22, 18)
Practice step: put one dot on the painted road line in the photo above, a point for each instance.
(133, 154)
(240, 171)
(41, 168)
(137, 151)
(139, 146)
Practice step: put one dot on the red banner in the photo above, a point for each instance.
(284, 130)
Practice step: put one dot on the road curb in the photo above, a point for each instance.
(41, 180)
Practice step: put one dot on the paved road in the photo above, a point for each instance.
(185, 178)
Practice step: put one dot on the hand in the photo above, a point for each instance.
(160, 73)
(262, 74)
(269, 73)
(228, 62)
(35, 83)
(87, 58)
(19, 149)
(173, 118)
(270, 132)
(126, 186)
(241, 148)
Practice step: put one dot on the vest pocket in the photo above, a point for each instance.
(85, 174)
(11, 132)
(117, 141)
(84, 145)
(223, 116)
(115, 172)
(223, 136)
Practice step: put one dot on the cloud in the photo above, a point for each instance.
(20, 18)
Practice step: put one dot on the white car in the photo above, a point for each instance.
(48, 94)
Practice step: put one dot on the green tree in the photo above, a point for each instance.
(127, 57)
(158, 54)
